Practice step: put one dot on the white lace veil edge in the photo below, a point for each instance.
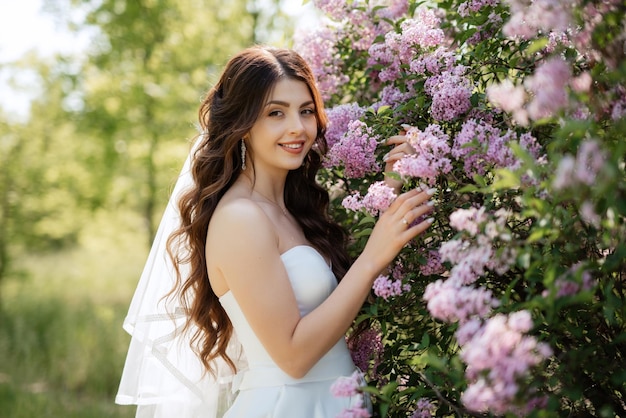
(162, 375)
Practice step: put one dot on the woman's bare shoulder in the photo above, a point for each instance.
(238, 218)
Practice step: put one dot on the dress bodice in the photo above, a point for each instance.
(312, 281)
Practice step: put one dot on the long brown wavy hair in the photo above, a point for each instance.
(228, 112)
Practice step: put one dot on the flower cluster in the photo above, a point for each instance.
(582, 169)
(431, 155)
(355, 151)
(498, 355)
(378, 198)
(424, 409)
(339, 118)
(366, 349)
(348, 386)
(451, 92)
(385, 288)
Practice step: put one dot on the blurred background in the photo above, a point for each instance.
(98, 104)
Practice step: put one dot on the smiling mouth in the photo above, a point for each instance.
(292, 146)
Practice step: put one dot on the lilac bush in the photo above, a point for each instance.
(512, 304)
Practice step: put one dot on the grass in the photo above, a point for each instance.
(62, 348)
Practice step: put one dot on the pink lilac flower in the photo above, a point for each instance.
(555, 39)
(441, 59)
(378, 198)
(473, 6)
(431, 156)
(588, 214)
(385, 288)
(392, 9)
(433, 264)
(339, 117)
(506, 96)
(498, 355)
(400, 48)
(393, 96)
(572, 282)
(318, 48)
(451, 92)
(347, 386)
(528, 17)
(467, 330)
(366, 350)
(583, 169)
(423, 409)
(356, 411)
(422, 31)
(564, 175)
(479, 145)
(590, 159)
(452, 302)
(468, 220)
(486, 30)
(355, 151)
(335, 9)
(548, 85)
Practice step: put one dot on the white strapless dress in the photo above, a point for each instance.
(264, 390)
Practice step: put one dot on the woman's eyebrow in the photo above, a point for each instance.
(286, 104)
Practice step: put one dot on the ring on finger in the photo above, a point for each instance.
(405, 222)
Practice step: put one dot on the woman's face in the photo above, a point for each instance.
(286, 128)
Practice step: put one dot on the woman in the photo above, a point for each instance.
(265, 263)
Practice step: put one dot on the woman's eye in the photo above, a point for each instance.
(275, 113)
(308, 111)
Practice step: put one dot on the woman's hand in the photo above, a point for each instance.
(402, 221)
(401, 148)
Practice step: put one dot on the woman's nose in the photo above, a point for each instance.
(296, 124)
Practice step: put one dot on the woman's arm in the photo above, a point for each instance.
(243, 247)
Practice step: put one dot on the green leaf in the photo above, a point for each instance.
(363, 233)
(505, 179)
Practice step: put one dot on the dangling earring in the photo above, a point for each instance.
(243, 154)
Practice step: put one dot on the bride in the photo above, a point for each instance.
(263, 288)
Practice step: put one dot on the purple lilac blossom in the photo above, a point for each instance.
(528, 17)
(393, 96)
(335, 9)
(366, 350)
(392, 9)
(349, 387)
(317, 47)
(441, 59)
(346, 386)
(355, 151)
(480, 145)
(423, 409)
(451, 302)
(569, 284)
(498, 355)
(582, 169)
(378, 198)
(385, 288)
(399, 48)
(588, 214)
(506, 96)
(339, 117)
(356, 411)
(433, 264)
(431, 156)
(451, 92)
(548, 85)
(473, 6)
(468, 220)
